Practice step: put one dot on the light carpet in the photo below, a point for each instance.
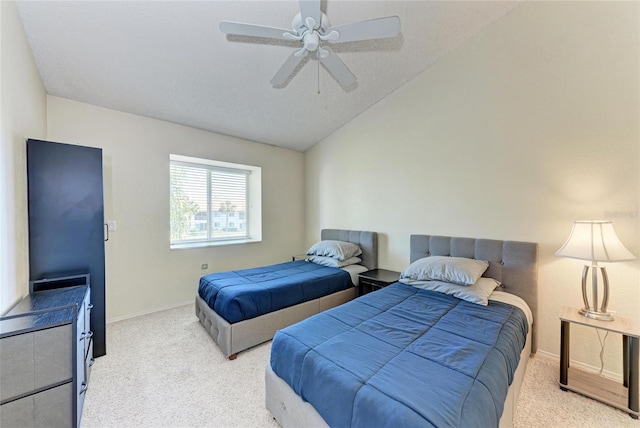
(163, 370)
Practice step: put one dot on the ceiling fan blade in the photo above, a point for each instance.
(240, 29)
(287, 68)
(380, 28)
(311, 9)
(337, 68)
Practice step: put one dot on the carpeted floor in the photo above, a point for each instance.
(163, 370)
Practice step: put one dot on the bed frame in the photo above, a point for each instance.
(514, 264)
(236, 337)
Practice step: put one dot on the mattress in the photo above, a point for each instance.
(244, 294)
(355, 271)
(404, 357)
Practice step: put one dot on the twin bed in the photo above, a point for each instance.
(241, 309)
(406, 356)
(410, 354)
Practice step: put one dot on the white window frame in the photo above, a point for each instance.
(253, 203)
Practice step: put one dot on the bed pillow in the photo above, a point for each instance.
(337, 249)
(331, 262)
(476, 293)
(456, 270)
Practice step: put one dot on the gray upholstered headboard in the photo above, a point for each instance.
(368, 242)
(514, 264)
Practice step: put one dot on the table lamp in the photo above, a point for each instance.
(596, 241)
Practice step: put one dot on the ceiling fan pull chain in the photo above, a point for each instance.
(318, 59)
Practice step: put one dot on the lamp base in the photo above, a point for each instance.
(591, 310)
(595, 315)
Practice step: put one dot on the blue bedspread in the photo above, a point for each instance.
(243, 294)
(404, 357)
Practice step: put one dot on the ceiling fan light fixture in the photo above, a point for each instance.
(311, 41)
(323, 52)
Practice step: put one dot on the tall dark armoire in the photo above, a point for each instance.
(66, 221)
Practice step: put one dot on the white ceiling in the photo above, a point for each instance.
(169, 60)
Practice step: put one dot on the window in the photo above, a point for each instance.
(208, 197)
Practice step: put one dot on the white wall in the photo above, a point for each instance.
(22, 115)
(142, 273)
(531, 125)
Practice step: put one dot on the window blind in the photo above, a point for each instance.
(208, 203)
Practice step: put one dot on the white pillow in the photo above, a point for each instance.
(331, 262)
(457, 270)
(337, 249)
(476, 293)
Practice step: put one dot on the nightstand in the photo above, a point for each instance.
(623, 396)
(376, 279)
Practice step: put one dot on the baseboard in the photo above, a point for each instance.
(582, 366)
(150, 311)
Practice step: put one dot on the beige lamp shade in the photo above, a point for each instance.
(594, 240)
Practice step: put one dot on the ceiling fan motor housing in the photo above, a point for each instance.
(310, 31)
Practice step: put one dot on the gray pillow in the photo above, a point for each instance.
(331, 262)
(476, 293)
(456, 270)
(337, 249)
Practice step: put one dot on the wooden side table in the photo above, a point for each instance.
(376, 279)
(622, 396)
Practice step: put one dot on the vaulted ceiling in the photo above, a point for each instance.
(169, 60)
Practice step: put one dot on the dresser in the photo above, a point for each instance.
(46, 353)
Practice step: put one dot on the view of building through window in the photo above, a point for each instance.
(208, 203)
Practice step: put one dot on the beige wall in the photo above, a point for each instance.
(531, 125)
(22, 115)
(142, 273)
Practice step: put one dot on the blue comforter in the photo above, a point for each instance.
(404, 357)
(243, 294)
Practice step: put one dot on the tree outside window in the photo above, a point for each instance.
(183, 209)
(227, 208)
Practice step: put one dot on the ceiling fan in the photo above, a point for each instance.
(311, 27)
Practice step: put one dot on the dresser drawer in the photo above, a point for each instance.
(50, 408)
(88, 361)
(84, 328)
(35, 360)
(367, 285)
(87, 311)
(372, 283)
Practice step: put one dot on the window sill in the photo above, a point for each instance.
(190, 245)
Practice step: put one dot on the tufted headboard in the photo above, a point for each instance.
(368, 242)
(514, 264)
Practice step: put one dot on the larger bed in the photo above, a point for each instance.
(241, 309)
(404, 356)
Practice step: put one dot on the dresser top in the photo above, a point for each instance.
(384, 275)
(43, 309)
